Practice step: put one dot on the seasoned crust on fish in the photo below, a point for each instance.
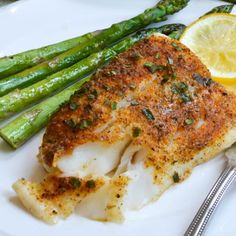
(128, 78)
(141, 124)
(55, 197)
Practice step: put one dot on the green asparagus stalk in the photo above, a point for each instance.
(170, 29)
(98, 42)
(230, 1)
(19, 99)
(25, 126)
(18, 131)
(221, 9)
(15, 63)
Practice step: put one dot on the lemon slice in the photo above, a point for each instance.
(213, 39)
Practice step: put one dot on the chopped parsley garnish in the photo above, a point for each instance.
(170, 61)
(164, 80)
(152, 67)
(93, 95)
(81, 92)
(166, 77)
(134, 103)
(188, 121)
(185, 97)
(71, 123)
(88, 108)
(113, 105)
(76, 183)
(106, 87)
(178, 48)
(180, 89)
(201, 80)
(83, 124)
(90, 184)
(73, 106)
(136, 132)
(148, 114)
(176, 178)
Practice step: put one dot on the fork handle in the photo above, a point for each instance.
(212, 200)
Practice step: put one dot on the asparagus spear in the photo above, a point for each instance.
(98, 42)
(170, 29)
(22, 128)
(231, 1)
(221, 9)
(18, 131)
(15, 63)
(19, 99)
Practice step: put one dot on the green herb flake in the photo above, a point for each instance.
(90, 184)
(73, 106)
(153, 67)
(83, 124)
(87, 108)
(176, 178)
(201, 80)
(134, 103)
(148, 114)
(166, 77)
(170, 61)
(81, 92)
(185, 97)
(113, 105)
(178, 88)
(182, 86)
(75, 182)
(174, 76)
(178, 48)
(93, 95)
(136, 132)
(71, 123)
(188, 121)
(164, 80)
(106, 87)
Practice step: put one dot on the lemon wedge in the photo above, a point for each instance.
(213, 39)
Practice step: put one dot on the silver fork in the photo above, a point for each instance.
(198, 225)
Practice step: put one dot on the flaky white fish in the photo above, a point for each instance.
(141, 125)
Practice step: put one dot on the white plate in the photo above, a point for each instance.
(33, 23)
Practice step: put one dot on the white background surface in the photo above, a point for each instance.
(33, 23)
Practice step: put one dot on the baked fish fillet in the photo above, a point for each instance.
(140, 126)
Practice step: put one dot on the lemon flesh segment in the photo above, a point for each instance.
(213, 40)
